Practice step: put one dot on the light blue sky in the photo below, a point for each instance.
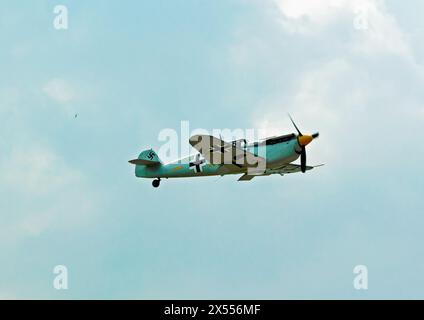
(129, 70)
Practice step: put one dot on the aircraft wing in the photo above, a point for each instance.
(217, 151)
(287, 168)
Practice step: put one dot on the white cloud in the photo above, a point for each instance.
(317, 104)
(7, 296)
(9, 96)
(350, 107)
(44, 193)
(41, 190)
(59, 90)
(376, 30)
(36, 170)
(348, 89)
(317, 12)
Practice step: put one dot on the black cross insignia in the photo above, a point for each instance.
(197, 164)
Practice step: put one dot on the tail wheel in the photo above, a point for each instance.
(156, 183)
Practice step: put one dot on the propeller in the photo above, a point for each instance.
(303, 141)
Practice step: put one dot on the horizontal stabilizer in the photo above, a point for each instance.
(143, 162)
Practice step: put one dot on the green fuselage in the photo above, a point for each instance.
(276, 155)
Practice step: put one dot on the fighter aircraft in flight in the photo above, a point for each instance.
(216, 157)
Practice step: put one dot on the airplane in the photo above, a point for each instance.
(216, 157)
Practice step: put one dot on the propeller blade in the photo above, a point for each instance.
(303, 141)
(297, 129)
(303, 160)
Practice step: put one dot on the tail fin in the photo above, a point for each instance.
(147, 158)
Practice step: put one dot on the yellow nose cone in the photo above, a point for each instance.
(304, 140)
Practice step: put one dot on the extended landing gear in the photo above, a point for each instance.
(156, 183)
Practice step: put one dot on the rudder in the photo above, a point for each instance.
(147, 158)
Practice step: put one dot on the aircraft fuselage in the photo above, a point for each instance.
(277, 152)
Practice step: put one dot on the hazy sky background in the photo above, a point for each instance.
(352, 70)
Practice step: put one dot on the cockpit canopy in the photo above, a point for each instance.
(280, 139)
(242, 143)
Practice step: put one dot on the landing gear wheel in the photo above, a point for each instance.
(156, 183)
